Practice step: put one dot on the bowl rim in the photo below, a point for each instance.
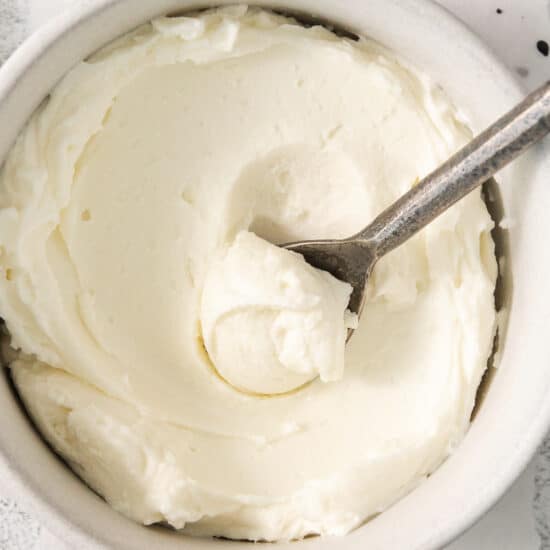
(36, 47)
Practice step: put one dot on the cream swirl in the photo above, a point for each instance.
(145, 163)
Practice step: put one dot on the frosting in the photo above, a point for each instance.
(270, 321)
(186, 147)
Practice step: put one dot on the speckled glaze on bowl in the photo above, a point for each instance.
(515, 412)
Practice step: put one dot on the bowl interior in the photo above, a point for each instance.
(514, 413)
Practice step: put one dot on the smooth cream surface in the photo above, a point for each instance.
(148, 161)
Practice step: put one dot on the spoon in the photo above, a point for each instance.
(352, 259)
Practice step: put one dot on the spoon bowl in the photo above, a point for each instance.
(350, 260)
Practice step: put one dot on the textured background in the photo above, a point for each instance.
(521, 520)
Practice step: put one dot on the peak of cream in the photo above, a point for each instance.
(270, 321)
(144, 165)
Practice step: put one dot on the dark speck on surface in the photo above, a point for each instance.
(542, 47)
(522, 71)
(499, 11)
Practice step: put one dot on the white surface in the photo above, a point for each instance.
(510, 524)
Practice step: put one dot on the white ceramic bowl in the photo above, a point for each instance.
(515, 413)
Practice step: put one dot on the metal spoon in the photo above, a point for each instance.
(352, 259)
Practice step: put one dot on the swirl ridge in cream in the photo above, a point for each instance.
(150, 159)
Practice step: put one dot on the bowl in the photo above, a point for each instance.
(515, 411)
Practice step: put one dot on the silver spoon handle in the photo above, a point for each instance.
(493, 149)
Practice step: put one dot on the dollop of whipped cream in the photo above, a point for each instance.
(146, 164)
(270, 321)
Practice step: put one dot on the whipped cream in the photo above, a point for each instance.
(146, 163)
(270, 321)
